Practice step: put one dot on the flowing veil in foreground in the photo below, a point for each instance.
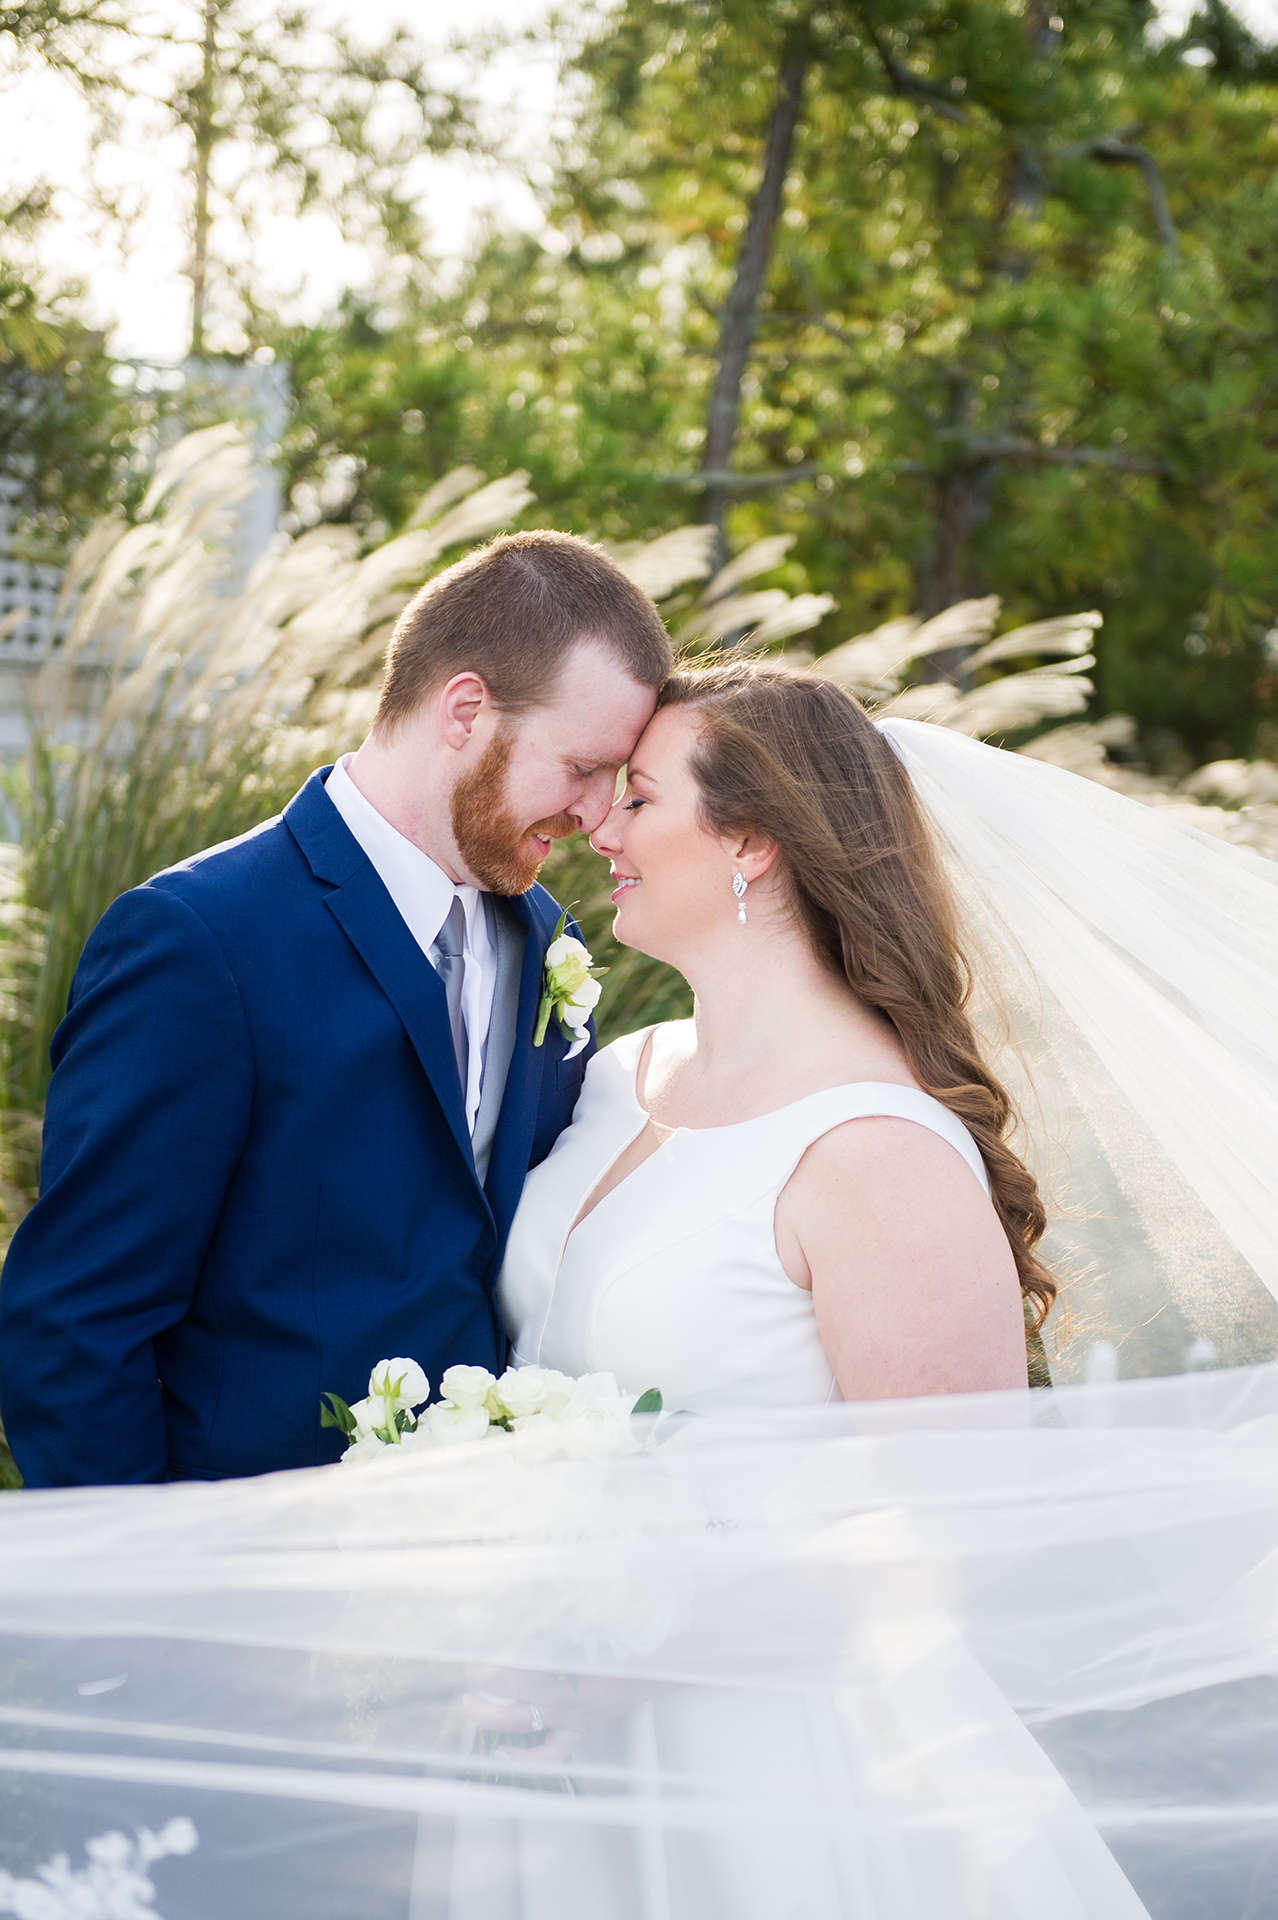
(988, 1656)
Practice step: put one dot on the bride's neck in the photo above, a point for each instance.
(762, 992)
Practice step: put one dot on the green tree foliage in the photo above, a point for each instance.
(66, 433)
(275, 104)
(564, 367)
(279, 111)
(1017, 329)
(72, 36)
(1020, 309)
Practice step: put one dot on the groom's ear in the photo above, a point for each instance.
(461, 702)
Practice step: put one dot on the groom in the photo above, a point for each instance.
(295, 1093)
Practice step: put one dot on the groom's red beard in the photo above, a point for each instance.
(494, 846)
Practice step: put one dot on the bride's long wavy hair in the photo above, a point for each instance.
(796, 759)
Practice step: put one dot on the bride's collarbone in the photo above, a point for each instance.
(681, 1093)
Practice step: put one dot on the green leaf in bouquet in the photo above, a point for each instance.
(650, 1402)
(336, 1414)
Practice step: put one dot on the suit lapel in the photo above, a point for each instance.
(372, 922)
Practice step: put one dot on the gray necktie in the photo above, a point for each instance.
(451, 968)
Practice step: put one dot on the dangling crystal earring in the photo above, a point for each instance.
(739, 885)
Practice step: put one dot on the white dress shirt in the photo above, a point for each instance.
(424, 895)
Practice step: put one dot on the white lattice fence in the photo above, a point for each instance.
(28, 594)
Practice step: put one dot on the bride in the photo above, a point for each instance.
(806, 1192)
(875, 1633)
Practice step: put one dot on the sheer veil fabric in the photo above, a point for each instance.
(1128, 965)
(1003, 1655)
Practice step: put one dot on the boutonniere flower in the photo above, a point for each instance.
(569, 988)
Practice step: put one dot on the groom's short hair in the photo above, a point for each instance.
(511, 612)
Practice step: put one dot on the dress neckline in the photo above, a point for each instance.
(730, 1126)
(642, 1118)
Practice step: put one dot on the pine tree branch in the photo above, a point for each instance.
(982, 449)
(727, 480)
(1117, 150)
(905, 81)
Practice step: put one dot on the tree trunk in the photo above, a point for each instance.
(203, 100)
(963, 493)
(962, 501)
(737, 329)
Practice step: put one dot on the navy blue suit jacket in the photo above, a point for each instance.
(257, 1177)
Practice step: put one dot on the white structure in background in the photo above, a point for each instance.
(29, 628)
(257, 396)
(28, 606)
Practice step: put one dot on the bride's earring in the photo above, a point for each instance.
(739, 885)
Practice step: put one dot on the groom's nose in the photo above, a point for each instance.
(595, 804)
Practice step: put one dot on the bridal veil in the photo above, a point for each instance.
(1129, 967)
(983, 1658)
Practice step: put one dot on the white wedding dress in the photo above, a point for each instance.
(672, 1280)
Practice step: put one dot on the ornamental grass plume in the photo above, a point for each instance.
(177, 713)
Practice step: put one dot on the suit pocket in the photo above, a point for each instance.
(568, 1074)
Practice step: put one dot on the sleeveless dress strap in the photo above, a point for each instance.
(808, 1119)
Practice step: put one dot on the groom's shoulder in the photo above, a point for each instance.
(265, 864)
(250, 861)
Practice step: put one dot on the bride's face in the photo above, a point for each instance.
(672, 877)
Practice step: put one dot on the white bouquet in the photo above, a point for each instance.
(542, 1410)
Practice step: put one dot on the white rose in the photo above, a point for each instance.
(536, 1437)
(557, 1390)
(567, 952)
(467, 1386)
(368, 1415)
(401, 1383)
(367, 1447)
(592, 1433)
(519, 1392)
(453, 1424)
(585, 997)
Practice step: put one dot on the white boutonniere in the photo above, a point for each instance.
(569, 987)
